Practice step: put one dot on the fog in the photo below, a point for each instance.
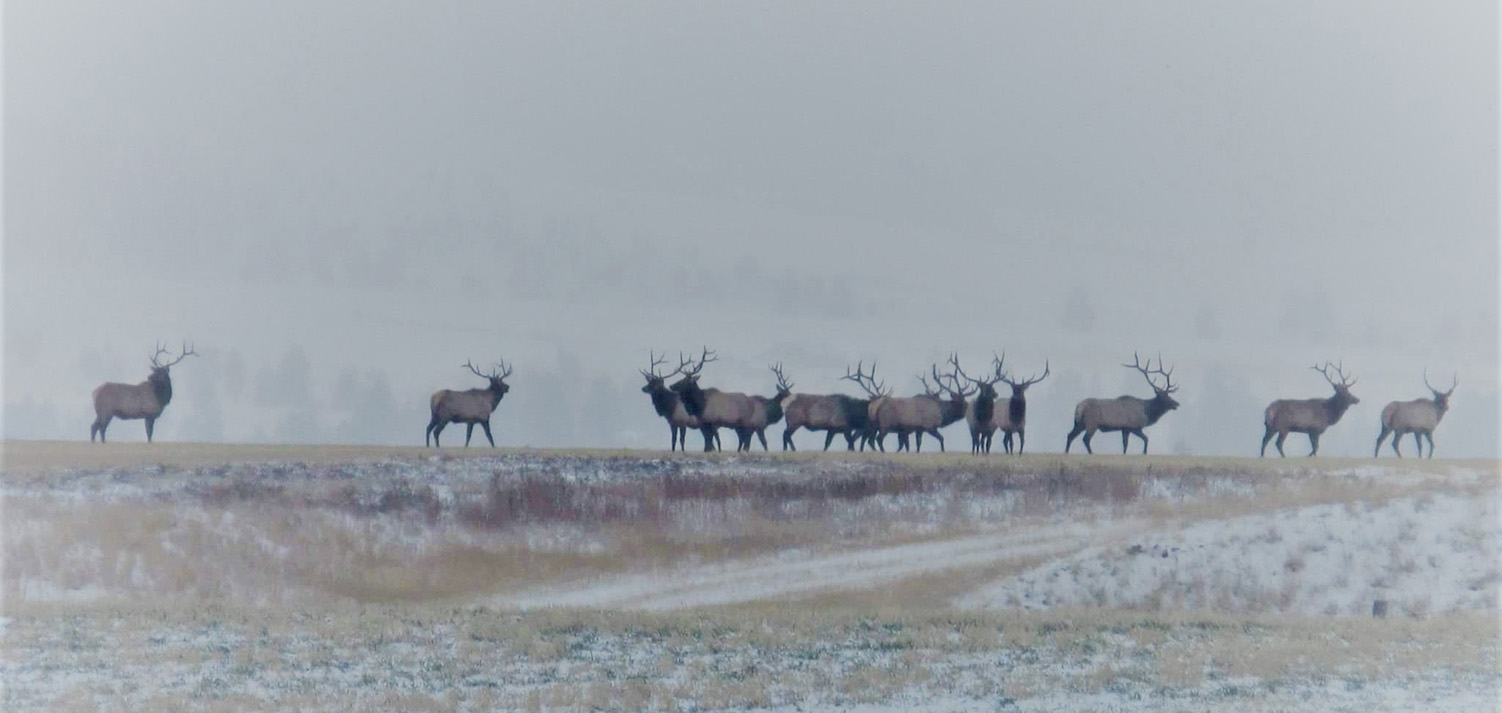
(341, 203)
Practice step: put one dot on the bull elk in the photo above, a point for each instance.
(468, 407)
(981, 414)
(1419, 417)
(1127, 414)
(937, 407)
(715, 409)
(667, 404)
(132, 401)
(768, 411)
(1309, 416)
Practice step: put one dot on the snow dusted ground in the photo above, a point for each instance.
(537, 581)
(1429, 553)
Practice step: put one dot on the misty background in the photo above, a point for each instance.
(341, 203)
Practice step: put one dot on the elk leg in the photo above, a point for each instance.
(761, 435)
(1430, 437)
(1419, 444)
(486, 425)
(939, 436)
(1268, 437)
(1021, 439)
(469, 430)
(150, 422)
(1313, 443)
(787, 440)
(1377, 450)
(1143, 436)
(829, 438)
(711, 435)
(1072, 433)
(1124, 435)
(437, 430)
(1282, 436)
(1397, 438)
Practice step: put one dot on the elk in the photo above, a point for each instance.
(715, 409)
(768, 411)
(1013, 418)
(131, 401)
(667, 404)
(981, 415)
(937, 407)
(1127, 414)
(1310, 416)
(1419, 417)
(835, 414)
(468, 407)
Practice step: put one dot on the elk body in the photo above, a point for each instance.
(836, 414)
(1309, 416)
(1127, 414)
(768, 411)
(668, 405)
(715, 409)
(468, 407)
(936, 408)
(145, 400)
(1419, 417)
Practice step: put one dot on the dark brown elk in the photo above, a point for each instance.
(667, 404)
(1309, 416)
(1013, 418)
(1127, 414)
(468, 407)
(836, 414)
(132, 401)
(981, 414)
(769, 410)
(1419, 417)
(715, 409)
(938, 406)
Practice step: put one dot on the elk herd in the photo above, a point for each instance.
(865, 420)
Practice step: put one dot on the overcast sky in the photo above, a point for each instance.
(340, 203)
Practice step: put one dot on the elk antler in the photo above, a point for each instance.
(867, 382)
(504, 368)
(1031, 380)
(1148, 371)
(782, 383)
(1454, 383)
(1345, 382)
(477, 372)
(160, 350)
(651, 371)
(956, 378)
(705, 358)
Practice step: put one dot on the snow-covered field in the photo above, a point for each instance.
(401, 579)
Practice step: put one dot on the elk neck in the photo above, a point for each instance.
(1335, 407)
(1016, 408)
(161, 387)
(985, 407)
(1158, 405)
(663, 401)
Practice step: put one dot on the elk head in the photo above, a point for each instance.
(1442, 398)
(868, 383)
(160, 378)
(1161, 394)
(655, 381)
(690, 370)
(784, 387)
(1019, 388)
(1343, 387)
(496, 377)
(986, 388)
